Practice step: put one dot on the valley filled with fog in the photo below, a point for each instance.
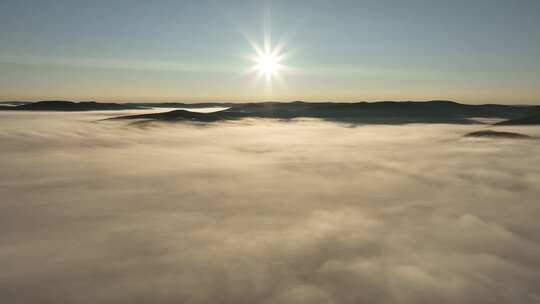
(265, 211)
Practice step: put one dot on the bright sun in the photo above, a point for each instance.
(268, 60)
(267, 64)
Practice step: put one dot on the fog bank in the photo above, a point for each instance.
(262, 211)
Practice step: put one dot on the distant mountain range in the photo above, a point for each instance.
(533, 119)
(384, 112)
(201, 105)
(58, 105)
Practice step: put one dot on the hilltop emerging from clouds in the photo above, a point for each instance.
(385, 112)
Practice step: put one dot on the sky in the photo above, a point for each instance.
(470, 51)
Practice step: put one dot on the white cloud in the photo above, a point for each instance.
(264, 212)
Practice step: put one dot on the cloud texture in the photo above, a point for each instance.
(261, 211)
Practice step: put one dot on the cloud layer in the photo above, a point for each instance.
(265, 212)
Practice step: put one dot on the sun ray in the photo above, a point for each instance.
(268, 59)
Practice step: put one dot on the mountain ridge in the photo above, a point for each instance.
(68, 106)
(381, 112)
(385, 112)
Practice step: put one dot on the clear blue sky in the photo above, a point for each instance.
(117, 50)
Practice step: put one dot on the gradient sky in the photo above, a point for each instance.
(117, 50)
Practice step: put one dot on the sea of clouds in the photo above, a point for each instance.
(262, 211)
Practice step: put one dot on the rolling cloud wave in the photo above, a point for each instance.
(261, 211)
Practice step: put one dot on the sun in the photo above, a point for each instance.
(267, 64)
(268, 60)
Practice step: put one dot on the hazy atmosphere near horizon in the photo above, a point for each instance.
(242, 152)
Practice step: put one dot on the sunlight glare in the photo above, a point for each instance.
(268, 60)
(267, 64)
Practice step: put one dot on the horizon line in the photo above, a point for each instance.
(269, 101)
